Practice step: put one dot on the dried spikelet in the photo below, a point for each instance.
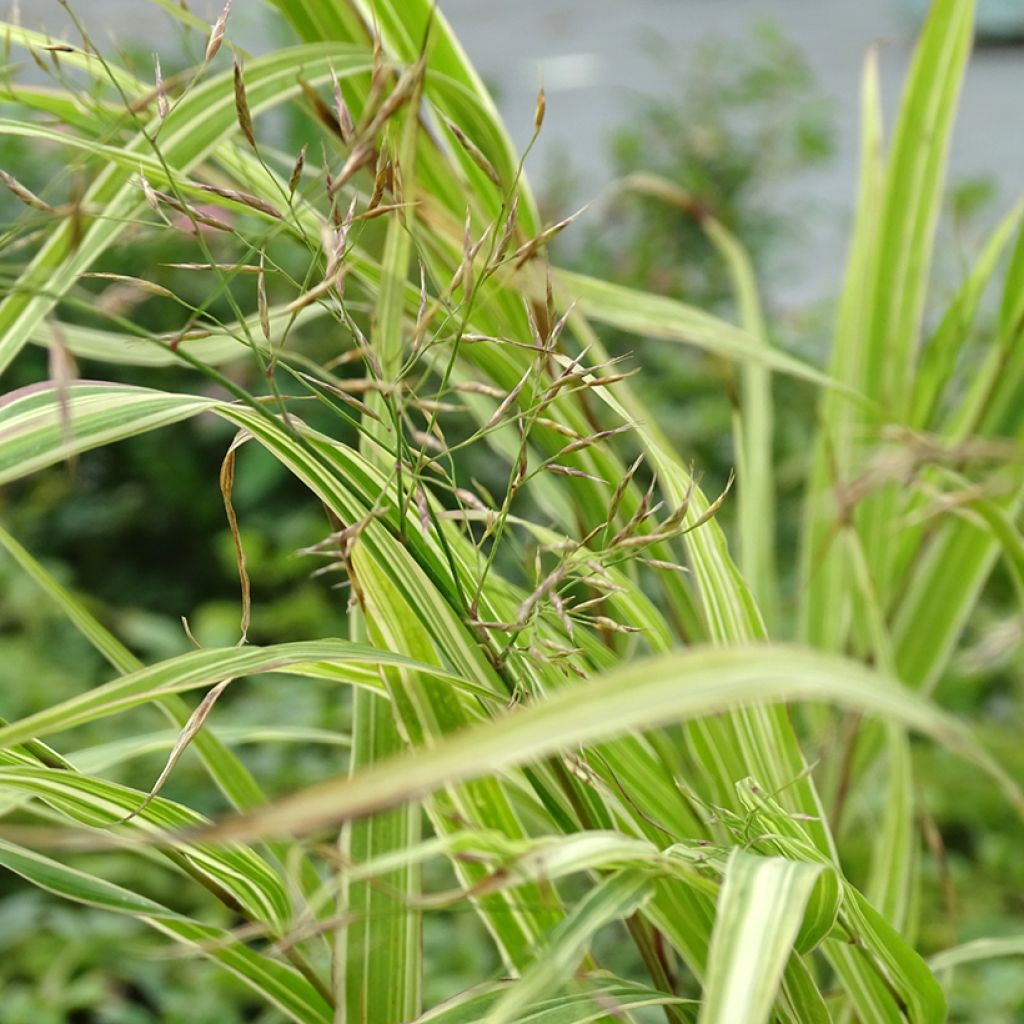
(657, 563)
(253, 202)
(296, 175)
(559, 428)
(556, 331)
(163, 106)
(427, 441)
(154, 203)
(559, 607)
(539, 111)
(712, 509)
(555, 467)
(642, 512)
(607, 625)
(467, 254)
(510, 229)
(406, 89)
(217, 33)
(362, 155)
(362, 385)
(342, 394)
(433, 406)
(506, 403)
(63, 372)
(546, 587)
(496, 627)
(242, 111)
(28, 197)
(522, 468)
(261, 298)
(590, 603)
(586, 442)
(469, 498)
(346, 128)
(488, 339)
(424, 511)
(383, 181)
(323, 112)
(422, 318)
(236, 268)
(119, 300)
(476, 387)
(345, 358)
(475, 153)
(76, 218)
(136, 282)
(378, 78)
(382, 211)
(192, 213)
(614, 378)
(529, 248)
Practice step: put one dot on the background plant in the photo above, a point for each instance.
(390, 289)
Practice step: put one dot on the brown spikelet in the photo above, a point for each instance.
(476, 387)
(586, 442)
(384, 181)
(359, 157)
(136, 282)
(539, 110)
(555, 467)
(147, 191)
(190, 212)
(712, 509)
(511, 227)
(507, 402)
(657, 563)
(217, 33)
(475, 153)
(296, 176)
(253, 202)
(529, 248)
(345, 124)
(242, 106)
(28, 197)
(323, 113)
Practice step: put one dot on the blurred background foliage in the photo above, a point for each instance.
(140, 529)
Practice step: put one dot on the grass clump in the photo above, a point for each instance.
(561, 706)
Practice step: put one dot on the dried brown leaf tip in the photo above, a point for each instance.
(242, 106)
(217, 33)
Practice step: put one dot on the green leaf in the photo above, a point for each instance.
(643, 695)
(759, 913)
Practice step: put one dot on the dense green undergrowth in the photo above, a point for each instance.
(576, 754)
